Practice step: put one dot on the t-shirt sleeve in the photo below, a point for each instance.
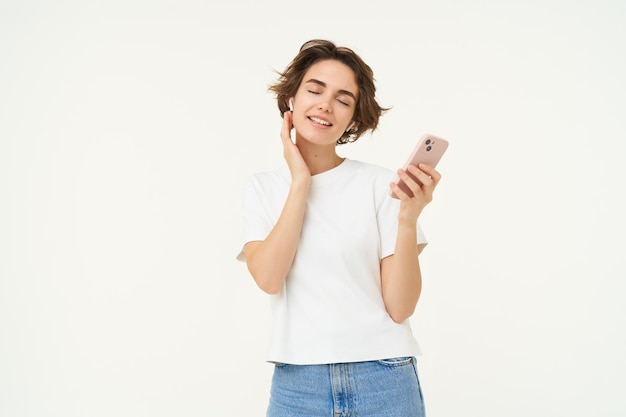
(388, 226)
(257, 223)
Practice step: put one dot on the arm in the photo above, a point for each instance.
(400, 273)
(270, 260)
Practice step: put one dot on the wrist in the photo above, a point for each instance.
(301, 183)
(407, 226)
(407, 220)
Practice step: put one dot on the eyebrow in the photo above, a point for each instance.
(323, 84)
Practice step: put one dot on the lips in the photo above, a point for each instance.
(320, 121)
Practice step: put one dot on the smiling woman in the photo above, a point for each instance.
(366, 109)
(342, 287)
(323, 106)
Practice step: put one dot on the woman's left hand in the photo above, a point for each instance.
(411, 206)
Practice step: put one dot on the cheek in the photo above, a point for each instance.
(348, 115)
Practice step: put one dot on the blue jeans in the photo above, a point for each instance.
(382, 388)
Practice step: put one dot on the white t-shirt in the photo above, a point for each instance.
(330, 308)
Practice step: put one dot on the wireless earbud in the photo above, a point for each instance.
(291, 104)
(351, 126)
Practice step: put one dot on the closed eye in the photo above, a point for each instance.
(343, 93)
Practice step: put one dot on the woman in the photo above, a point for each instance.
(338, 255)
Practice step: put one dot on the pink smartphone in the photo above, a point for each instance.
(429, 150)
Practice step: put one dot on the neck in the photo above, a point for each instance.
(319, 158)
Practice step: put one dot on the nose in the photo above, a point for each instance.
(325, 104)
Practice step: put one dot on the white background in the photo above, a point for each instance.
(127, 127)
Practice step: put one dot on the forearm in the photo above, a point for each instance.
(269, 261)
(402, 278)
(400, 273)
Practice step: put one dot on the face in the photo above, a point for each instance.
(325, 102)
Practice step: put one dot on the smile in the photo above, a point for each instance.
(319, 121)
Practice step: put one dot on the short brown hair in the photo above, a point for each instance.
(367, 111)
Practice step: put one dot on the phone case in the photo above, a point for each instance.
(429, 150)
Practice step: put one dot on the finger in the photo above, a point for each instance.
(410, 181)
(429, 182)
(399, 192)
(431, 172)
(285, 132)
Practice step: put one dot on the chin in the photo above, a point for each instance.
(318, 139)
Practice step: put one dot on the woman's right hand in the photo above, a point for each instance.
(269, 261)
(297, 165)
